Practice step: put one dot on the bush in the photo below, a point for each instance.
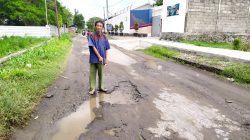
(246, 47)
(160, 52)
(22, 87)
(13, 44)
(237, 44)
(239, 73)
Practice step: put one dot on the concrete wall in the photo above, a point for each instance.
(37, 31)
(157, 11)
(144, 30)
(213, 16)
(54, 31)
(174, 23)
(125, 18)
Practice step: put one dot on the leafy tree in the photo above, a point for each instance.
(121, 27)
(79, 20)
(31, 13)
(91, 23)
(112, 30)
(158, 3)
(116, 28)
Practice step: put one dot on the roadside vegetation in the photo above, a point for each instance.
(160, 52)
(13, 44)
(24, 79)
(239, 72)
(235, 45)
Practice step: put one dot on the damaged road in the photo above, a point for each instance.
(149, 99)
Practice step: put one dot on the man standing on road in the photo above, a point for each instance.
(98, 48)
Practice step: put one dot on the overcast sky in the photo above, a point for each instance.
(91, 8)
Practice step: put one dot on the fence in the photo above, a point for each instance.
(36, 31)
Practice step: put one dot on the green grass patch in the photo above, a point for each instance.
(160, 52)
(241, 73)
(209, 44)
(22, 86)
(13, 44)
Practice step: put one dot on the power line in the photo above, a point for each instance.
(116, 3)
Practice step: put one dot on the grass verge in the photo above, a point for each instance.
(24, 79)
(239, 72)
(13, 44)
(209, 44)
(160, 52)
(235, 45)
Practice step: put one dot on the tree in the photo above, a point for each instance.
(136, 26)
(116, 28)
(91, 23)
(112, 29)
(79, 20)
(31, 13)
(121, 27)
(158, 3)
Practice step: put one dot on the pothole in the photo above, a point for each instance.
(71, 126)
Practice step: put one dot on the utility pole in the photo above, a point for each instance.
(58, 26)
(104, 18)
(107, 5)
(46, 9)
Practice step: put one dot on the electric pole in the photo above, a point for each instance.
(107, 5)
(46, 12)
(58, 26)
(104, 19)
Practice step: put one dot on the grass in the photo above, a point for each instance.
(235, 45)
(160, 52)
(13, 44)
(240, 72)
(22, 86)
(209, 44)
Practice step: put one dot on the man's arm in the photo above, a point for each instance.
(106, 59)
(97, 54)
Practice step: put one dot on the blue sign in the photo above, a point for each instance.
(142, 17)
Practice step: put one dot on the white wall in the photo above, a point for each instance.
(157, 11)
(125, 18)
(37, 31)
(174, 23)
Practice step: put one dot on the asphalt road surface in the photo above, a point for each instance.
(150, 99)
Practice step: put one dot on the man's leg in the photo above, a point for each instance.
(101, 76)
(92, 77)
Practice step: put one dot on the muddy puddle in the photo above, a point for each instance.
(71, 126)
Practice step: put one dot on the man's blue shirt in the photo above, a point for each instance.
(100, 42)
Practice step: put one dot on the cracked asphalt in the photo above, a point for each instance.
(150, 99)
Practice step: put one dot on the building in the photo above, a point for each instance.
(142, 14)
(203, 16)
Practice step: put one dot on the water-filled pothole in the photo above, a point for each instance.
(72, 126)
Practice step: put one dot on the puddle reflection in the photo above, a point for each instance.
(73, 125)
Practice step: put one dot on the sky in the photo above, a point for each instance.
(91, 8)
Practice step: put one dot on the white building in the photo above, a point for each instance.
(124, 16)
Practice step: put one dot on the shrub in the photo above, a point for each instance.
(236, 43)
(246, 47)
(239, 73)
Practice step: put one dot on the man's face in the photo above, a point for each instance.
(99, 27)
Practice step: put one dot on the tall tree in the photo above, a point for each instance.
(158, 3)
(79, 20)
(91, 23)
(31, 13)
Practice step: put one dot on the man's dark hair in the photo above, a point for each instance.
(99, 21)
